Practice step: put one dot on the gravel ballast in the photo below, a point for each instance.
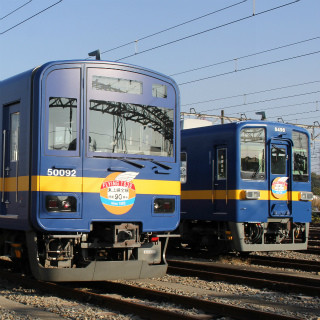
(296, 305)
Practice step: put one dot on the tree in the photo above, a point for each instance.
(315, 183)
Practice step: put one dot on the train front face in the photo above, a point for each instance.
(274, 207)
(106, 178)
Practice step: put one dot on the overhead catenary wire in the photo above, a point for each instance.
(293, 114)
(232, 119)
(209, 30)
(173, 27)
(278, 107)
(275, 116)
(267, 100)
(15, 10)
(245, 56)
(301, 119)
(249, 68)
(252, 93)
(31, 17)
(235, 115)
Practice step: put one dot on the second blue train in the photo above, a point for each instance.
(246, 186)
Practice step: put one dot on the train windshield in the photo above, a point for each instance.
(119, 127)
(300, 156)
(252, 146)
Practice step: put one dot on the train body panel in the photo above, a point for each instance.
(247, 184)
(90, 167)
(15, 97)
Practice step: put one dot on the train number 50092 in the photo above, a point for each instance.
(62, 172)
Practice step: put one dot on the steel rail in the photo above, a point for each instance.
(145, 312)
(123, 306)
(311, 250)
(258, 279)
(313, 243)
(287, 263)
(210, 307)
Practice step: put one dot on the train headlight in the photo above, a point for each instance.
(164, 205)
(61, 204)
(252, 194)
(306, 196)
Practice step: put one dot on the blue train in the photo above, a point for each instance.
(90, 160)
(246, 187)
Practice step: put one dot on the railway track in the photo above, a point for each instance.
(259, 279)
(102, 294)
(314, 240)
(314, 243)
(297, 264)
(312, 250)
(84, 295)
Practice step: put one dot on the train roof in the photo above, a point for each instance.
(127, 66)
(239, 124)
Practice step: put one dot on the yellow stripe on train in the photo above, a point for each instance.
(234, 195)
(88, 185)
(92, 185)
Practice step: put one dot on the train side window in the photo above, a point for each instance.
(300, 156)
(222, 164)
(14, 136)
(62, 124)
(252, 145)
(183, 167)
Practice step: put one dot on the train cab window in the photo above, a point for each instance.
(222, 164)
(252, 146)
(62, 124)
(278, 160)
(127, 128)
(300, 156)
(14, 136)
(183, 167)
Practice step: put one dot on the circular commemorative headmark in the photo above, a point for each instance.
(118, 193)
(279, 187)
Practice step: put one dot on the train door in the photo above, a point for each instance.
(279, 180)
(10, 162)
(220, 185)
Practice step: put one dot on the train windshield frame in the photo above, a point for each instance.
(300, 156)
(130, 114)
(252, 153)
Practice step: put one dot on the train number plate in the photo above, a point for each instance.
(62, 172)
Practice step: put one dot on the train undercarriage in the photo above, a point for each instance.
(273, 235)
(108, 251)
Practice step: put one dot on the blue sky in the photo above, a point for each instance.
(72, 28)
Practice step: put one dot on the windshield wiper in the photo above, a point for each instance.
(164, 166)
(139, 165)
(136, 164)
